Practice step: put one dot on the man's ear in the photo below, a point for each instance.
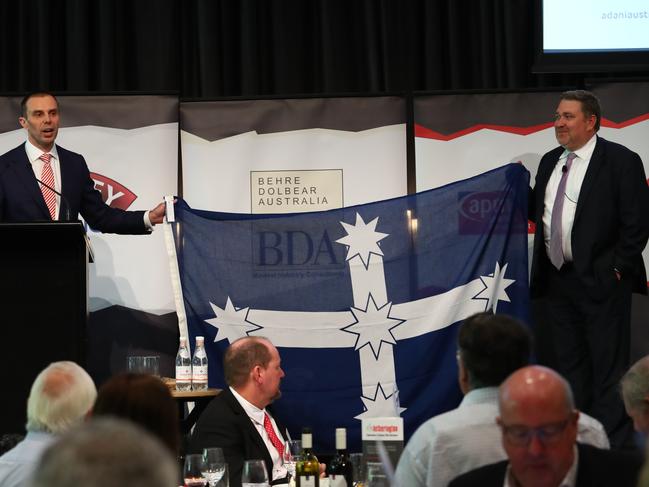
(576, 417)
(256, 374)
(462, 376)
(23, 122)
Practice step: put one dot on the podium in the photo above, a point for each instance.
(43, 307)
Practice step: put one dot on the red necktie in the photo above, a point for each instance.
(47, 176)
(268, 426)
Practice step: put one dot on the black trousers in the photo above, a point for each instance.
(590, 346)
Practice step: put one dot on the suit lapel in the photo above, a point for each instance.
(249, 427)
(594, 166)
(542, 178)
(66, 175)
(26, 177)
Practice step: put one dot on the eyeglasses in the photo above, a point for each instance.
(547, 434)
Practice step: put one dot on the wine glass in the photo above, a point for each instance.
(292, 451)
(254, 474)
(193, 471)
(214, 463)
(358, 468)
(375, 475)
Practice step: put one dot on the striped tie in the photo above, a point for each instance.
(268, 426)
(47, 176)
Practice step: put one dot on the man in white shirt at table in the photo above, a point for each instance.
(490, 348)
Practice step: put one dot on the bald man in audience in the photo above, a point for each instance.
(61, 396)
(538, 423)
(238, 419)
(490, 347)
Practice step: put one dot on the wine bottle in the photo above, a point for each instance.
(340, 470)
(307, 468)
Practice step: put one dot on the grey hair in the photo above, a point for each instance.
(635, 386)
(62, 395)
(106, 452)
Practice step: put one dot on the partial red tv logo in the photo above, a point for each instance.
(114, 194)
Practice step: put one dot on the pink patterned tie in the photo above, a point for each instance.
(556, 228)
(47, 176)
(268, 426)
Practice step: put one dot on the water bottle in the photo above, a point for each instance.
(199, 366)
(183, 367)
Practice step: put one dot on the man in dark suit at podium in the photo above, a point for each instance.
(41, 181)
(591, 208)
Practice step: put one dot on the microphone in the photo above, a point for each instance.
(63, 200)
(564, 168)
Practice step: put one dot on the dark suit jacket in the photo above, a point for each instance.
(611, 223)
(225, 424)
(21, 199)
(596, 468)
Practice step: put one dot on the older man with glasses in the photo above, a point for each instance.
(538, 421)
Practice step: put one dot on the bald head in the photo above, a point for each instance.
(539, 426)
(536, 385)
(252, 367)
(242, 356)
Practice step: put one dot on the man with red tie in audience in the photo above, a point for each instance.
(41, 181)
(591, 208)
(238, 419)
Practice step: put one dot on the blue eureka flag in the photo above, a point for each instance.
(361, 301)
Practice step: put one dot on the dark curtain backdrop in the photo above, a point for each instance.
(216, 48)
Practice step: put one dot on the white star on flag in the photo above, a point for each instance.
(380, 406)
(373, 325)
(495, 285)
(231, 323)
(362, 239)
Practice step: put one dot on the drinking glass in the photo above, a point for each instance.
(292, 452)
(214, 463)
(193, 471)
(375, 475)
(254, 474)
(358, 468)
(139, 364)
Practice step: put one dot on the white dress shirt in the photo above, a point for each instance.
(256, 415)
(573, 187)
(19, 463)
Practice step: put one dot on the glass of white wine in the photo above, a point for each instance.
(193, 471)
(254, 474)
(214, 464)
